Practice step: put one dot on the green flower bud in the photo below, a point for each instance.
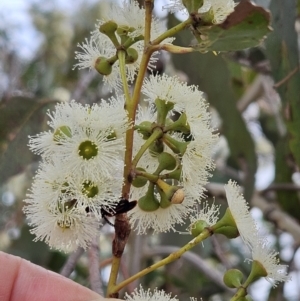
(166, 162)
(176, 146)
(156, 148)
(233, 278)
(164, 202)
(108, 27)
(175, 194)
(139, 181)
(163, 107)
(132, 56)
(197, 227)
(123, 30)
(149, 202)
(145, 128)
(103, 66)
(257, 271)
(180, 125)
(228, 231)
(226, 226)
(175, 174)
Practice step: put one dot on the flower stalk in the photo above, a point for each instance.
(172, 257)
(122, 56)
(156, 134)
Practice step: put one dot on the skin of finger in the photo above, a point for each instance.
(22, 280)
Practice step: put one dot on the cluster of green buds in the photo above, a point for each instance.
(158, 136)
(121, 39)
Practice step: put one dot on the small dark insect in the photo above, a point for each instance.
(122, 207)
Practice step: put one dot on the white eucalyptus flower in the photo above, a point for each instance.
(162, 219)
(92, 49)
(266, 256)
(145, 113)
(186, 99)
(54, 184)
(55, 214)
(110, 114)
(93, 146)
(208, 213)
(63, 119)
(147, 295)
(220, 9)
(127, 15)
(196, 161)
(239, 209)
(65, 208)
(92, 153)
(102, 47)
(61, 227)
(197, 164)
(130, 15)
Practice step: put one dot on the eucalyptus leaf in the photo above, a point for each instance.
(246, 27)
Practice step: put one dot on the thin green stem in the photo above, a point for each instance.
(151, 177)
(148, 18)
(157, 133)
(241, 292)
(172, 257)
(112, 59)
(114, 40)
(131, 109)
(121, 56)
(172, 31)
(128, 43)
(113, 275)
(173, 48)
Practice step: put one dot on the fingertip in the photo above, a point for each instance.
(22, 280)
